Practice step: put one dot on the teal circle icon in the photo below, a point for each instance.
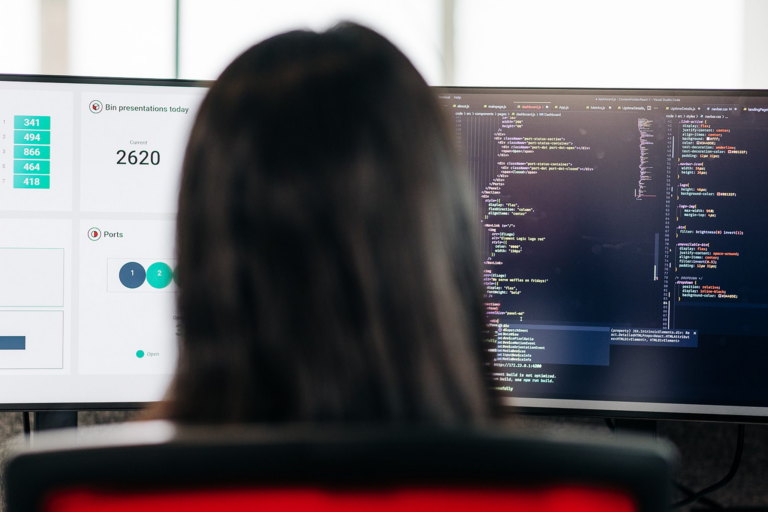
(139, 354)
(159, 275)
(132, 275)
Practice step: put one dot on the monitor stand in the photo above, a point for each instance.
(636, 427)
(49, 420)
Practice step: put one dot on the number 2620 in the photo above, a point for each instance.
(138, 158)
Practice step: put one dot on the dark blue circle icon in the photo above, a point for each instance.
(132, 275)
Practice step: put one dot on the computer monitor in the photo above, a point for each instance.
(89, 175)
(625, 239)
(624, 236)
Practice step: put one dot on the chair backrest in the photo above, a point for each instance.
(571, 499)
(156, 466)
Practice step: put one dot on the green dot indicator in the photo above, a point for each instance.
(140, 354)
(159, 275)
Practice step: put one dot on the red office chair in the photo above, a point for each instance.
(158, 467)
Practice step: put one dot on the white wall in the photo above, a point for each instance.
(20, 36)
(600, 43)
(213, 33)
(128, 38)
(756, 44)
(544, 43)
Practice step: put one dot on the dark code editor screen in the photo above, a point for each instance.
(624, 239)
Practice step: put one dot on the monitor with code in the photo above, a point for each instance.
(89, 176)
(625, 247)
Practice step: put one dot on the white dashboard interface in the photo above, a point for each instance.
(89, 177)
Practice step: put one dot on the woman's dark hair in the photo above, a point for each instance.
(327, 266)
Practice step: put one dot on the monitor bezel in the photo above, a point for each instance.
(600, 90)
(550, 410)
(97, 80)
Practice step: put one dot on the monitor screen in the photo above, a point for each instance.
(625, 247)
(89, 176)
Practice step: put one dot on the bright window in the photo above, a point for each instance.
(600, 43)
(124, 38)
(20, 36)
(214, 33)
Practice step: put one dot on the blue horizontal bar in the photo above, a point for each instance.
(13, 342)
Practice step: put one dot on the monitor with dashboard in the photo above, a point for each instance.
(89, 174)
(624, 244)
(625, 247)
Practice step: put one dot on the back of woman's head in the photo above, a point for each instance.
(327, 267)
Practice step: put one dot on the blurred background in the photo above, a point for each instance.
(505, 43)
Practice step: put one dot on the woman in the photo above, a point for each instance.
(327, 269)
